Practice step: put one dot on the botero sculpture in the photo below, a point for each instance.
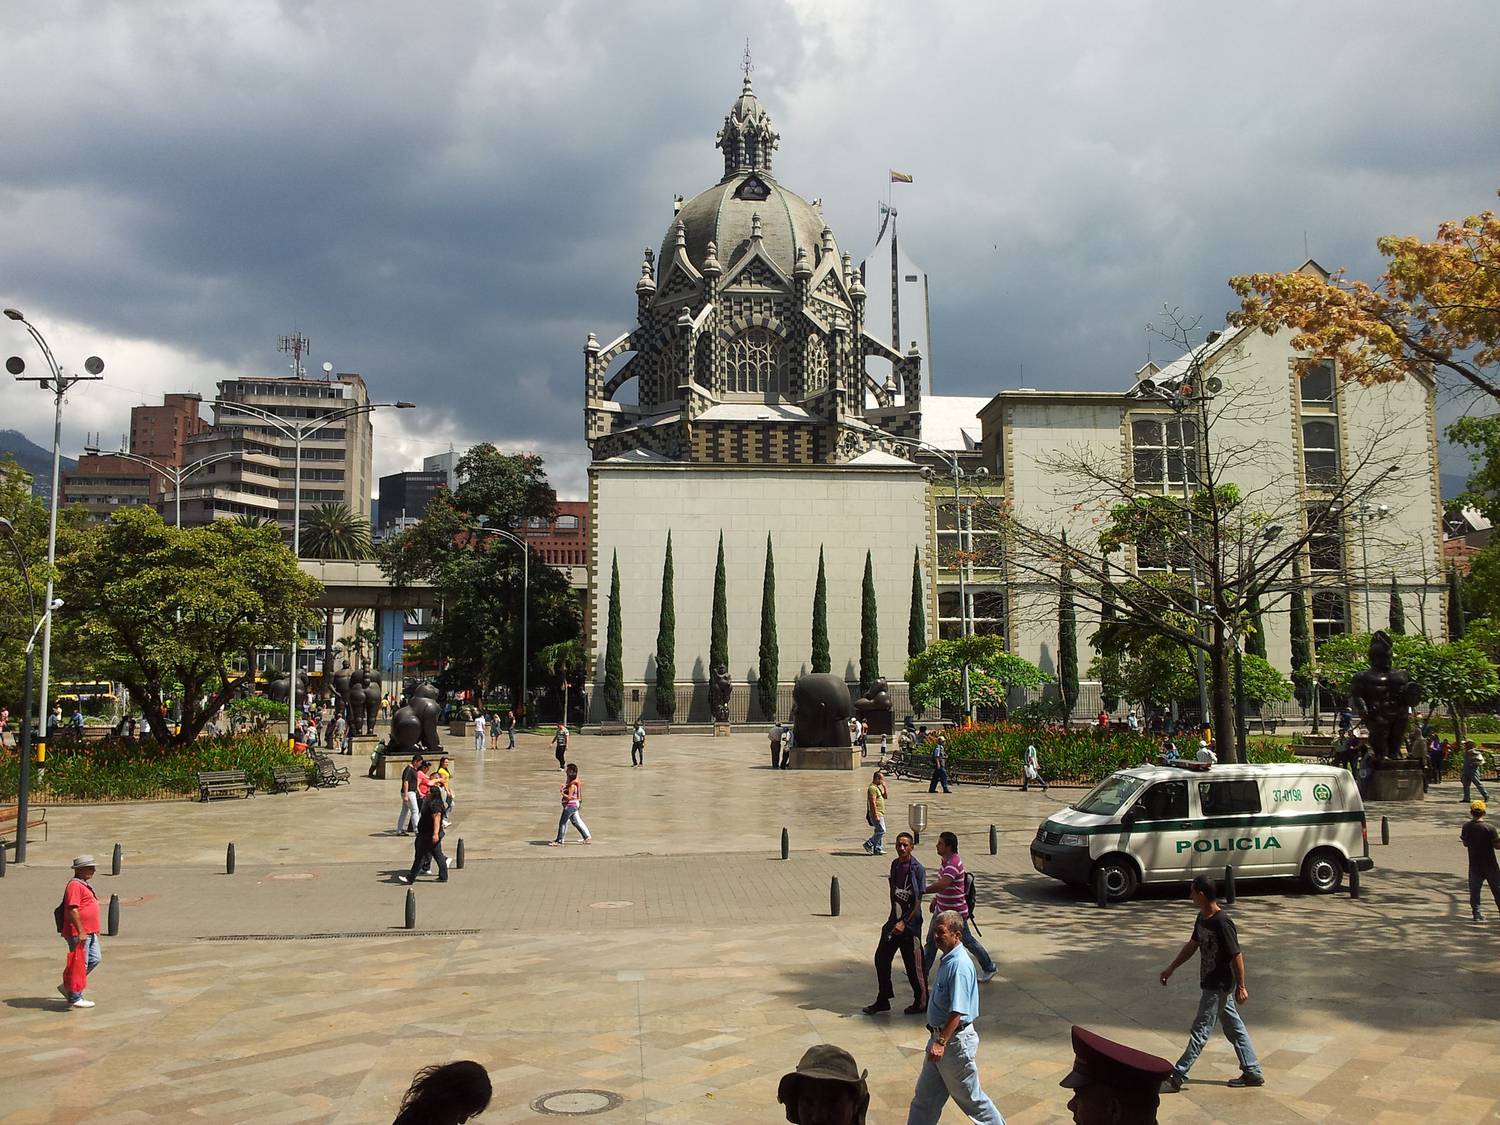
(1382, 696)
(277, 690)
(362, 720)
(820, 710)
(720, 688)
(874, 707)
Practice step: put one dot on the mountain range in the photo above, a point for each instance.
(34, 459)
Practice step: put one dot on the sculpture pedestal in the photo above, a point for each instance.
(363, 745)
(877, 718)
(825, 758)
(722, 730)
(1396, 779)
(388, 767)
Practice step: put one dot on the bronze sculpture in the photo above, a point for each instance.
(277, 690)
(370, 711)
(720, 688)
(415, 722)
(874, 707)
(820, 710)
(1383, 696)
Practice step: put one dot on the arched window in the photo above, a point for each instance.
(750, 151)
(817, 364)
(754, 362)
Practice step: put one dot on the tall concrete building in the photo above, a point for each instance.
(104, 483)
(404, 497)
(162, 432)
(336, 461)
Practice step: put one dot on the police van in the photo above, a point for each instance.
(1167, 824)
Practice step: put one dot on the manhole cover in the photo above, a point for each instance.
(620, 905)
(577, 1103)
(294, 875)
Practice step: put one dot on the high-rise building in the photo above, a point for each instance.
(162, 432)
(446, 463)
(404, 496)
(105, 482)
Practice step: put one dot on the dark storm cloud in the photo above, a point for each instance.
(448, 199)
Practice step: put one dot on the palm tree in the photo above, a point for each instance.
(565, 660)
(253, 521)
(333, 531)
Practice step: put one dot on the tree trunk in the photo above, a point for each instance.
(1222, 702)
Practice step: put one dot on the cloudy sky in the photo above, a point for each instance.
(447, 198)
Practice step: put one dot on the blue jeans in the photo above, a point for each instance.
(1471, 777)
(980, 954)
(1211, 1006)
(91, 958)
(570, 816)
(878, 837)
(511, 734)
(939, 777)
(956, 1076)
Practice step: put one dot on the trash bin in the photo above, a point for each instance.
(916, 818)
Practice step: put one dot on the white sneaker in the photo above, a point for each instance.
(81, 1003)
(403, 879)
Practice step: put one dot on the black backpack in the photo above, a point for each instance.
(969, 899)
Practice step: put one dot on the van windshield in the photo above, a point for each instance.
(1110, 795)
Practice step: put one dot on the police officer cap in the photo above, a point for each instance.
(1105, 1062)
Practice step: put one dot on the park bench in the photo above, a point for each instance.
(328, 774)
(657, 728)
(284, 778)
(10, 817)
(223, 783)
(1268, 724)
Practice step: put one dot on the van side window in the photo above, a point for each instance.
(1166, 800)
(1228, 798)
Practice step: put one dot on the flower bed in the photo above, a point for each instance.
(145, 770)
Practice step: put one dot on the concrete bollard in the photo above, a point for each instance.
(4, 848)
(411, 909)
(115, 860)
(1385, 830)
(786, 844)
(458, 857)
(114, 915)
(1228, 885)
(1101, 892)
(1353, 881)
(229, 860)
(833, 897)
(994, 841)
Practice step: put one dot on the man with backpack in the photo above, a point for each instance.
(953, 890)
(77, 919)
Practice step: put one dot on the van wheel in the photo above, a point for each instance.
(1323, 871)
(1119, 875)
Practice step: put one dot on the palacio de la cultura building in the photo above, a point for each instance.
(764, 393)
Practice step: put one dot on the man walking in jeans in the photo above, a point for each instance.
(1221, 975)
(950, 1068)
(939, 766)
(948, 888)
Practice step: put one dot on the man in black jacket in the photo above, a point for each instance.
(902, 930)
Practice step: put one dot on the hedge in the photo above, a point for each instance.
(144, 769)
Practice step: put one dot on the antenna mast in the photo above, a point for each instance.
(296, 345)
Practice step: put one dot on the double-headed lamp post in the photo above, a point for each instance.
(23, 790)
(298, 433)
(1268, 535)
(486, 529)
(1365, 513)
(59, 383)
(173, 473)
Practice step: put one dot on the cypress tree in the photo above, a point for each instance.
(821, 660)
(666, 643)
(1455, 605)
(916, 629)
(1302, 683)
(718, 630)
(614, 670)
(869, 630)
(768, 675)
(1398, 611)
(1255, 642)
(1067, 639)
(1109, 691)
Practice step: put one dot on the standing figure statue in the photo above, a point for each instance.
(720, 688)
(355, 704)
(366, 719)
(341, 680)
(1383, 697)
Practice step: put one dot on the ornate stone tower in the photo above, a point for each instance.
(750, 345)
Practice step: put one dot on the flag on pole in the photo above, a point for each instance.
(900, 177)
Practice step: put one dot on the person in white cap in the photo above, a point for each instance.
(80, 926)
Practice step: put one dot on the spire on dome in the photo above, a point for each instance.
(747, 139)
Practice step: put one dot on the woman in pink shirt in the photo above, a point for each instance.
(572, 797)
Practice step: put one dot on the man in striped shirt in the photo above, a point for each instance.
(948, 892)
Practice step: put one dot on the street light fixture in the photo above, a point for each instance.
(172, 472)
(485, 529)
(298, 433)
(59, 383)
(1365, 513)
(1268, 535)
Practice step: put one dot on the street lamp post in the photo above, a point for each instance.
(173, 473)
(59, 383)
(486, 529)
(298, 433)
(1364, 513)
(1268, 536)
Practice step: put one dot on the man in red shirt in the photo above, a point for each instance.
(80, 907)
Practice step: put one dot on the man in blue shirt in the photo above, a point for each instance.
(950, 1069)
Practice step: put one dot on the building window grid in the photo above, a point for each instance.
(1164, 450)
(755, 361)
(1320, 452)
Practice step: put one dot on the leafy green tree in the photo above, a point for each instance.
(563, 662)
(718, 632)
(1149, 669)
(666, 643)
(1455, 604)
(165, 610)
(1398, 611)
(614, 647)
(478, 577)
(1255, 632)
(916, 628)
(1302, 679)
(1457, 675)
(936, 673)
(869, 630)
(768, 674)
(822, 661)
(1263, 683)
(1067, 642)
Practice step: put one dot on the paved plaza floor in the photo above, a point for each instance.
(679, 966)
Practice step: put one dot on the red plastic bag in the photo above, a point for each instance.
(76, 972)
